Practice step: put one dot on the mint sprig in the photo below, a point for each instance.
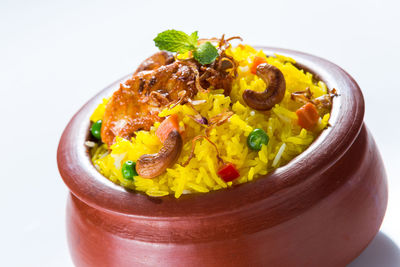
(178, 41)
(205, 53)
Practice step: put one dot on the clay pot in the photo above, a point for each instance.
(321, 209)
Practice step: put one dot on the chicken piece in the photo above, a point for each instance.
(157, 60)
(136, 104)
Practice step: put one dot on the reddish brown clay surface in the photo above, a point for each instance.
(321, 209)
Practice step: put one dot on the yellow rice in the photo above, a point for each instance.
(287, 139)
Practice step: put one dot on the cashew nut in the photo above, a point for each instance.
(274, 92)
(152, 165)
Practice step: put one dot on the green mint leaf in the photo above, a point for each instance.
(206, 53)
(176, 41)
(194, 38)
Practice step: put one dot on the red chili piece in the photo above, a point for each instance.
(228, 172)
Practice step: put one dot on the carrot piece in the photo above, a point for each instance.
(168, 125)
(257, 61)
(307, 116)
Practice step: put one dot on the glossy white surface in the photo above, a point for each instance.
(55, 55)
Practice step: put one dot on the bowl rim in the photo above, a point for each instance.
(91, 187)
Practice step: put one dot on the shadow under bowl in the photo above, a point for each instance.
(321, 209)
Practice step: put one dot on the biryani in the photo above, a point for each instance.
(203, 115)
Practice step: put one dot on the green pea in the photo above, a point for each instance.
(129, 170)
(96, 129)
(257, 138)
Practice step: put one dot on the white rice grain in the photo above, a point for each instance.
(90, 144)
(278, 155)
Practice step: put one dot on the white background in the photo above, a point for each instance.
(55, 55)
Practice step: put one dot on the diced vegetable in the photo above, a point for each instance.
(257, 138)
(96, 129)
(168, 125)
(228, 172)
(257, 61)
(129, 170)
(307, 116)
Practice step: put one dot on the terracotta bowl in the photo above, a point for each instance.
(321, 209)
